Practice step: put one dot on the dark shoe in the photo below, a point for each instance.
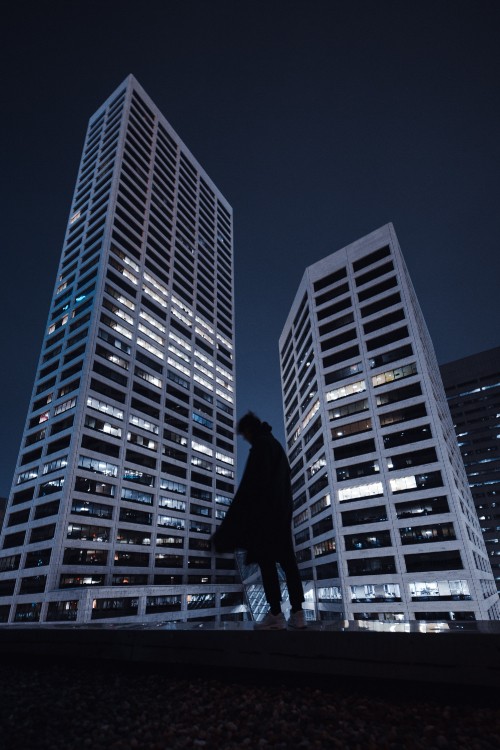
(297, 620)
(271, 622)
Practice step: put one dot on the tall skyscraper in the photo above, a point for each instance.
(472, 385)
(127, 458)
(384, 523)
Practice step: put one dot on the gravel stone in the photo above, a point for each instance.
(108, 707)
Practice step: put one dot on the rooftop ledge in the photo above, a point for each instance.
(447, 653)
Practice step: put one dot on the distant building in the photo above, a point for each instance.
(128, 457)
(384, 522)
(3, 506)
(473, 388)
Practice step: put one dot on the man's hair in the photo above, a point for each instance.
(249, 423)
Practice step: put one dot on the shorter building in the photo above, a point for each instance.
(473, 389)
(384, 522)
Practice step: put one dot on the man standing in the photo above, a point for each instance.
(259, 521)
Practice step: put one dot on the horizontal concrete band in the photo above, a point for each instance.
(459, 658)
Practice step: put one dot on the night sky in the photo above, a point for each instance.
(319, 121)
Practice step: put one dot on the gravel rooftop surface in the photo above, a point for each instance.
(118, 707)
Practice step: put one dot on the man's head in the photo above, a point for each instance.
(249, 426)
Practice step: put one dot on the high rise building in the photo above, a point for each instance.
(384, 523)
(127, 458)
(472, 385)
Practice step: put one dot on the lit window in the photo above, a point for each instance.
(58, 463)
(182, 355)
(310, 414)
(65, 406)
(360, 491)
(203, 369)
(202, 448)
(178, 366)
(225, 373)
(128, 261)
(149, 318)
(396, 374)
(105, 408)
(149, 348)
(346, 390)
(181, 317)
(182, 306)
(204, 335)
(178, 340)
(153, 295)
(204, 324)
(154, 336)
(224, 395)
(155, 284)
(203, 382)
(403, 483)
(225, 459)
(143, 423)
(224, 341)
(97, 466)
(316, 466)
(117, 327)
(224, 472)
(25, 476)
(148, 377)
(204, 358)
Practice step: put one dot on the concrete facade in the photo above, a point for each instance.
(385, 526)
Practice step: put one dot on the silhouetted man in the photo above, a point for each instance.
(259, 521)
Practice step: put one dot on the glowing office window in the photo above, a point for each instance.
(223, 395)
(182, 355)
(203, 369)
(346, 390)
(154, 296)
(154, 283)
(225, 459)
(104, 408)
(151, 334)
(152, 321)
(360, 491)
(403, 483)
(178, 366)
(201, 448)
(203, 382)
(204, 335)
(224, 341)
(152, 349)
(179, 341)
(182, 306)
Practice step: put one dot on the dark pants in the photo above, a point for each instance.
(271, 581)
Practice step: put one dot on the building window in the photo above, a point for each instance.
(440, 591)
(346, 390)
(368, 540)
(357, 492)
(416, 482)
(438, 532)
(429, 561)
(398, 373)
(371, 566)
(375, 593)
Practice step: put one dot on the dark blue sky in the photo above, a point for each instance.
(319, 121)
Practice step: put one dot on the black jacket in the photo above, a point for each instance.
(259, 518)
